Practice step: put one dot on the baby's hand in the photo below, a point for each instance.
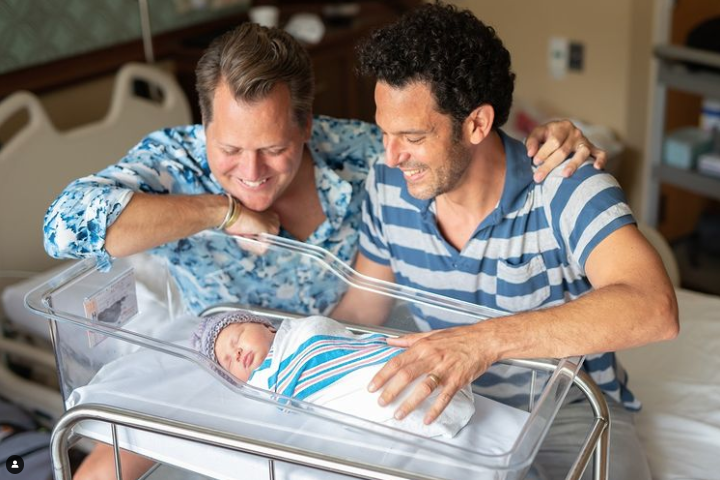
(252, 222)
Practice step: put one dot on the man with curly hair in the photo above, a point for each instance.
(454, 210)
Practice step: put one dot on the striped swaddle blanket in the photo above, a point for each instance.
(318, 360)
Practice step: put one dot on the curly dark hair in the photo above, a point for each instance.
(463, 60)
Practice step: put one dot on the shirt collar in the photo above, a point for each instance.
(199, 148)
(518, 174)
(334, 192)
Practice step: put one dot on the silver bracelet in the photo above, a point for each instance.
(230, 213)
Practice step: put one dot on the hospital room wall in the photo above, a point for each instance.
(612, 88)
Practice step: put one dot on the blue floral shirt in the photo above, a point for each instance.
(210, 267)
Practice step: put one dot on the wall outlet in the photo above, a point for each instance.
(577, 57)
(558, 56)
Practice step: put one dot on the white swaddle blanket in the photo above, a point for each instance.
(318, 360)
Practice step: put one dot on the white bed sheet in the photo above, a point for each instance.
(191, 394)
(678, 383)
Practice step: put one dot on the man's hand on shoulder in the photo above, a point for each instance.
(551, 144)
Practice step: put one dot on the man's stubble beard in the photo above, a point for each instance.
(448, 176)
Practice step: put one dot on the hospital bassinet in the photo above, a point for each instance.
(128, 376)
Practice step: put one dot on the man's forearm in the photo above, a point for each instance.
(364, 306)
(612, 318)
(150, 220)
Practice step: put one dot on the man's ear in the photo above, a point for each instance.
(308, 127)
(479, 123)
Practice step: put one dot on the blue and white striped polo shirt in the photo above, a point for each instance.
(529, 252)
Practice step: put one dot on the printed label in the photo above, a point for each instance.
(113, 305)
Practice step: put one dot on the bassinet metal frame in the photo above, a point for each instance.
(595, 445)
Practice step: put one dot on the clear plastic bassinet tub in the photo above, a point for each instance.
(124, 357)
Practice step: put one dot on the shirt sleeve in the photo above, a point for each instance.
(76, 223)
(373, 243)
(583, 210)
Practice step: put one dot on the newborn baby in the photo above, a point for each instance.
(318, 360)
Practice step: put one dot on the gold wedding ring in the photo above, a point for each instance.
(435, 379)
(581, 144)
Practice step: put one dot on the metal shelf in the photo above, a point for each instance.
(682, 78)
(690, 180)
(688, 70)
(676, 53)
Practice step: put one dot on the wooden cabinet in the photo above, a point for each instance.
(339, 92)
(675, 198)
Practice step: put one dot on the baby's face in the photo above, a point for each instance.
(241, 347)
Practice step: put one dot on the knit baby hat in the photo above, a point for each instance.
(207, 331)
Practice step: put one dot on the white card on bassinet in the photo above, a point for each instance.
(113, 305)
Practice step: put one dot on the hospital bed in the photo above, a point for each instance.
(679, 385)
(36, 162)
(129, 378)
